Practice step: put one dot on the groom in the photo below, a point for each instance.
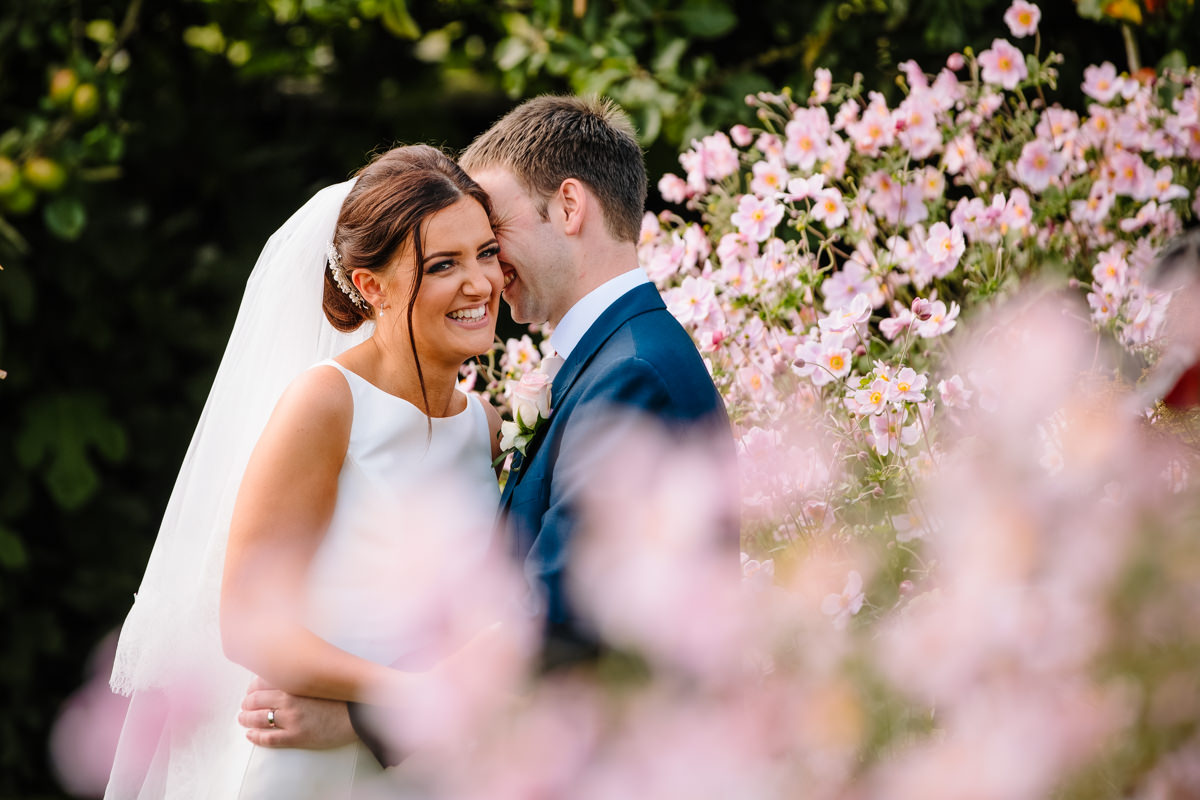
(568, 187)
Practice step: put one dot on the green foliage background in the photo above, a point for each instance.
(212, 120)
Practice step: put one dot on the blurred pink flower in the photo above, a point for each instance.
(1168, 191)
(941, 320)
(889, 432)
(1003, 64)
(741, 135)
(911, 524)
(908, 386)
(872, 400)
(822, 84)
(829, 208)
(954, 393)
(769, 178)
(1101, 82)
(901, 320)
(1038, 165)
(756, 217)
(1022, 18)
(693, 300)
(673, 188)
(875, 130)
(945, 245)
(853, 279)
(845, 605)
(807, 137)
(847, 319)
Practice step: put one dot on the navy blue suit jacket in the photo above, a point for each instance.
(635, 357)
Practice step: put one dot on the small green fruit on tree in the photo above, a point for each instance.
(10, 177)
(62, 87)
(20, 202)
(85, 102)
(44, 174)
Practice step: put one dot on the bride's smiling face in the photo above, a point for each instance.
(454, 316)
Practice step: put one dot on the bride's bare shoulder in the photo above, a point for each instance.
(318, 396)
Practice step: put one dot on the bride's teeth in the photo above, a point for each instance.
(468, 313)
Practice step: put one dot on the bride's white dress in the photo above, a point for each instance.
(367, 593)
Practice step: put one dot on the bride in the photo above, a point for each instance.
(335, 404)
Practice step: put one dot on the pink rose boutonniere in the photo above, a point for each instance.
(530, 407)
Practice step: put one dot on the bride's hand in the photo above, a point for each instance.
(304, 722)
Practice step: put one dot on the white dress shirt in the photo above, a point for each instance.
(587, 310)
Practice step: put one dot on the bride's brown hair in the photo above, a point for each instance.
(383, 214)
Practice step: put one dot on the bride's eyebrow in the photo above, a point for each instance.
(441, 254)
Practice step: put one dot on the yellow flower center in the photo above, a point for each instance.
(836, 362)
(903, 387)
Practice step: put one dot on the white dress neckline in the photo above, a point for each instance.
(349, 373)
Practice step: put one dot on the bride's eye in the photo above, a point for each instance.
(491, 252)
(440, 266)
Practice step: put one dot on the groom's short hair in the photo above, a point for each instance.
(551, 138)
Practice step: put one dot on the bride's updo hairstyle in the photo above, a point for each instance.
(383, 215)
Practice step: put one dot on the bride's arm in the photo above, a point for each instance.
(283, 508)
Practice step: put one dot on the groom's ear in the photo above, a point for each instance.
(573, 201)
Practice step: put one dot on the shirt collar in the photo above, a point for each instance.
(587, 310)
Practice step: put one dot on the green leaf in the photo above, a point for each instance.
(66, 218)
(1090, 9)
(668, 58)
(57, 436)
(397, 20)
(510, 52)
(707, 19)
(12, 552)
(651, 124)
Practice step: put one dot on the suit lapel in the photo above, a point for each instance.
(637, 301)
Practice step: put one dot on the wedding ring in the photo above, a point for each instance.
(271, 718)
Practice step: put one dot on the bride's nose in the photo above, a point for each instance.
(478, 281)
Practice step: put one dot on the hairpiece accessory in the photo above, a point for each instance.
(342, 279)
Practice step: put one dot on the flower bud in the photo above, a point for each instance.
(922, 309)
(741, 135)
(906, 588)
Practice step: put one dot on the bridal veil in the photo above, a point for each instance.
(169, 657)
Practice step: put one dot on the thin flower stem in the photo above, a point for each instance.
(1131, 48)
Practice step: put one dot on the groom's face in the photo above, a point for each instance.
(532, 253)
